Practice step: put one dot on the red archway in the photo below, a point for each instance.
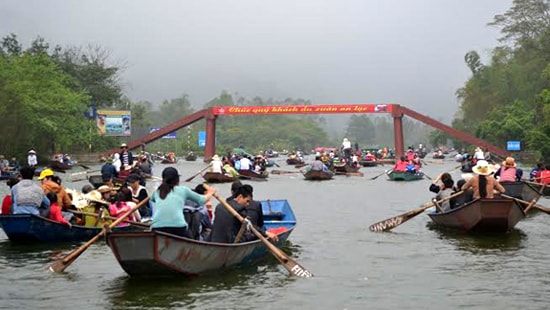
(397, 111)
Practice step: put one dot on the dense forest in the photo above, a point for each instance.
(44, 93)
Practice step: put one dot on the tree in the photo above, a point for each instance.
(524, 21)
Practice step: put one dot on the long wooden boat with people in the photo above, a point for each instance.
(343, 167)
(28, 228)
(318, 175)
(294, 161)
(59, 166)
(158, 254)
(215, 177)
(499, 214)
(404, 175)
(482, 215)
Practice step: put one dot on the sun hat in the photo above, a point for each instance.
(123, 145)
(45, 173)
(215, 157)
(105, 189)
(482, 168)
(510, 162)
(95, 196)
(32, 152)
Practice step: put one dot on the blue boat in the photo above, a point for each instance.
(27, 228)
(157, 254)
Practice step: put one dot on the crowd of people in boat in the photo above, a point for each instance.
(409, 163)
(173, 208)
(231, 164)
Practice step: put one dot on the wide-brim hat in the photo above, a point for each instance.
(510, 162)
(482, 167)
(216, 157)
(95, 196)
(32, 152)
(106, 189)
(123, 145)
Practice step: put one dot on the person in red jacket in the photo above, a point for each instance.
(55, 210)
(6, 202)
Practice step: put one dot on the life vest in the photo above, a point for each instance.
(545, 177)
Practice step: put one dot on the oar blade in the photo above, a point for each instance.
(395, 221)
(297, 270)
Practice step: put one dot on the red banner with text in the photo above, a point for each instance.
(304, 109)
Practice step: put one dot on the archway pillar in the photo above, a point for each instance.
(210, 145)
(398, 131)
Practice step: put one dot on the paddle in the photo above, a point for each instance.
(84, 166)
(395, 221)
(196, 174)
(374, 178)
(528, 204)
(83, 172)
(291, 265)
(61, 264)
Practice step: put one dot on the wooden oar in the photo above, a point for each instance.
(83, 172)
(528, 204)
(248, 177)
(61, 264)
(196, 174)
(84, 166)
(291, 265)
(395, 221)
(298, 166)
(374, 178)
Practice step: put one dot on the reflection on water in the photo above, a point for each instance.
(481, 243)
(210, 289)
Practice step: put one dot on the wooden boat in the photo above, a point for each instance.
(27, 228)
(249, 174)
(172, 160)
(482, 215)
(214, 177)
(191, 157)
(157, 254)
(318, 175)
(368, 163)
(344, 168)
(294, 161)
(59, 166)
(435, 156)
(404, 176)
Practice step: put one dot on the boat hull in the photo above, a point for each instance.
(482, 215)
(26, 228)
(244, 174)
(404, 176)
(213, 177)
(158, 254)
(318, 175)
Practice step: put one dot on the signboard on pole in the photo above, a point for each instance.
(170, 135)
(114, 123)
(513, 146)
(202, 138)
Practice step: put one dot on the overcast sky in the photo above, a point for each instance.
(341, 51)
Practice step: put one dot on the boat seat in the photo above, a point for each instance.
(275, 216)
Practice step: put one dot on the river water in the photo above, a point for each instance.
(416, 266)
